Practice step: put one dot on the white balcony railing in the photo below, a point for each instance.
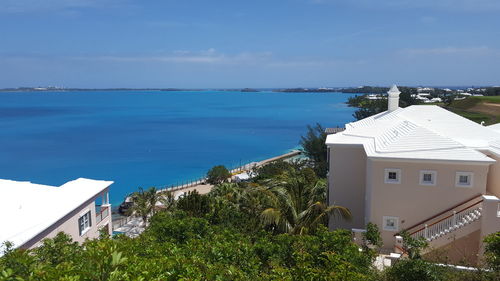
(447, 224)
(103, 213)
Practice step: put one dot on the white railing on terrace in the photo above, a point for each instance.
(104, 212)
(457, 219)
(121, 222)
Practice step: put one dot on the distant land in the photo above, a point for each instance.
(359, 89)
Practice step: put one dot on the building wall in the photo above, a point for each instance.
(69, 225)
(461, 251)
(493, 186)
(412, 202)
(490, 218)
(346, 183)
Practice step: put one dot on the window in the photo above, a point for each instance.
(390, 223)
(392, 176)
(464, 179)
(428, 177)
(84, 223)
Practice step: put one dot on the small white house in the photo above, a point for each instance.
(32, 212)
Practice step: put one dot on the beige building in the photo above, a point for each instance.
(422, 169)
(32, 212)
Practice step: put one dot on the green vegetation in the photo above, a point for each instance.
(218, 174)
(492, 249)
(314, 147)
(366, 90)
(478, 109)
(144, 202)
(492, 91)
(491, 99)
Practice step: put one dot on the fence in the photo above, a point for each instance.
(121, 222)
(202, 180)
(102, 214)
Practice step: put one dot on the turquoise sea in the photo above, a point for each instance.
(151, 138)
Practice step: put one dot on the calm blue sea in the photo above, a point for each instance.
(150, 138)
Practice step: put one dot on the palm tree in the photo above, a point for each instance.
(144, 203)
(298, 203)
(166, 199)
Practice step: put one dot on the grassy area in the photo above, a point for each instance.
(477, 116)
(489, 99)
(478, 109)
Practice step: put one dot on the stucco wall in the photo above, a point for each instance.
(69, 225)
(346, 182)
(461, 251)
(493, 186)
(412, 202)
(490, 218)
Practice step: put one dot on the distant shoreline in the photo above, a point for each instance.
(245, 90)
(346, 90)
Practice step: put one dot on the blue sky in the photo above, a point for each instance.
(219, 43)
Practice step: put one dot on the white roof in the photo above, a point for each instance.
(243, 176)
(495, 127)
(424, 132)
(27, 209)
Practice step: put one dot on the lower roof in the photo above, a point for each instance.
(27, 209)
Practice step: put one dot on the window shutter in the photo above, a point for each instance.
(80, 225)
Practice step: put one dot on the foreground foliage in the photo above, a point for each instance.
(179, 247)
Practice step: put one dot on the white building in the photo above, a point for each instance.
(31, 212)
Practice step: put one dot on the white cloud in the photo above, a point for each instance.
(209, 56)
(202, 58)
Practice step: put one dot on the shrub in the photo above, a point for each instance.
(414, 269)
(492, 251)
(218, 174)
(194, 204)
(167, 227)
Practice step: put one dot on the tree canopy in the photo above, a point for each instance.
(314, 147)
(218, 174)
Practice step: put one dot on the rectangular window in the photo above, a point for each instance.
(84, 223)
(428, 177)
(390, 223)
(392, 176)
(464, 179)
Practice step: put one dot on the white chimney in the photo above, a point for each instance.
(393, 98)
